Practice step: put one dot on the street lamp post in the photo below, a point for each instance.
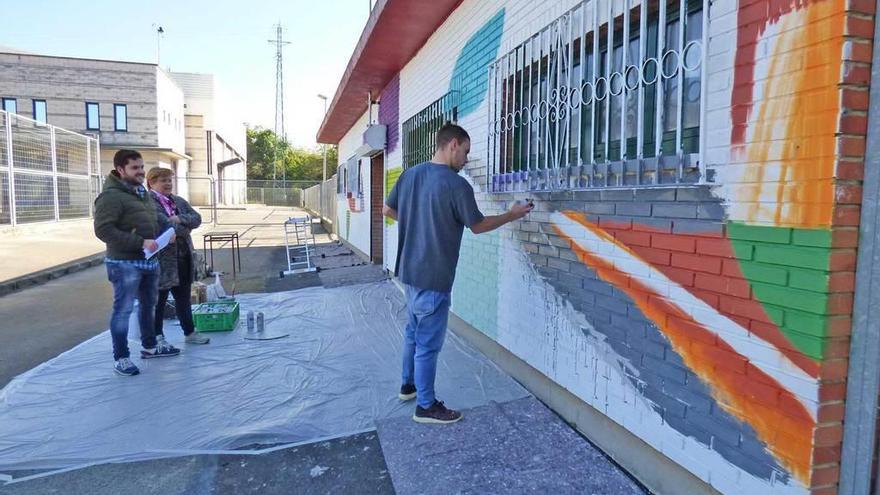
(324, 175)
(159, 33)
(325, 146)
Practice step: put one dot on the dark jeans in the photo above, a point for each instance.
(181, 305)
(130, 282)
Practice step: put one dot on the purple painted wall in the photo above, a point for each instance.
(389, 112)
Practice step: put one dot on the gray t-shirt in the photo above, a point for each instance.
(434, 204)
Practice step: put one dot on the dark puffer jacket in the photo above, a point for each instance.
(172, 256)
(123, 220)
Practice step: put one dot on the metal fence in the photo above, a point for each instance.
(239, 192)
(46, 173)
(575, 106)
(200, 192)
(321, 200)
(418, 131)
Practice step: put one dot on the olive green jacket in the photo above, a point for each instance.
(123, 219)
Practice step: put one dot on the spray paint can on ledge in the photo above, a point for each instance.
(250, 321)
(260, 322)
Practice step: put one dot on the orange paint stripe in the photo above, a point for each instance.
(769, 332)
(798, 95)
(787, 431)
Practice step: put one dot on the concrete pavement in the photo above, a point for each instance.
(41, 322)
(29, 249)
(34, 254)
(345, 465)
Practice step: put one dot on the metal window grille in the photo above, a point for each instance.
(419, 130)
(46, 173)
(565, 115)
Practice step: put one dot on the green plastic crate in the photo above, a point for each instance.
(217, 316)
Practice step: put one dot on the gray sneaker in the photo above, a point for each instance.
(125, 367)
(196, 338)
(162, 349)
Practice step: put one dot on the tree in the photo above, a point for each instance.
(300, 163)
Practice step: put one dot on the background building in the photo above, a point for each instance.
(124, 104)
(215, 139)
(176, 120)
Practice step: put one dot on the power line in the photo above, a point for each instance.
(279, 97)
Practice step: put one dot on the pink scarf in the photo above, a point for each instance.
(166, 203)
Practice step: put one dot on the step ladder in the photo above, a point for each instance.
(298, 230)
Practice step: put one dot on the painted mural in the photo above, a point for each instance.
(469, 77)
(696, 317)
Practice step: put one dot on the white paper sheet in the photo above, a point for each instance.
(162, 241)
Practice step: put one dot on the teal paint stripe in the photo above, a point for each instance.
(475, 293)
(470, 77)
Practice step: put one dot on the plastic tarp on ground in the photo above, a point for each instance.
(338, 371)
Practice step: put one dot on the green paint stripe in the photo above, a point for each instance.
(744, 232)
(806, 323)
(391, 177)
(810, 237)
(788, 271)
(787, 297)
(800, 257)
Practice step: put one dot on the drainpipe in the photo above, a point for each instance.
(863, 379)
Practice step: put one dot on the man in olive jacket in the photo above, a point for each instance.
(126, 221)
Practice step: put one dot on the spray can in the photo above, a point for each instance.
(250, 321)
(260, 323)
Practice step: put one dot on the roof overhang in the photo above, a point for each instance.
(395, 32)
(155, 149)
(231, 161)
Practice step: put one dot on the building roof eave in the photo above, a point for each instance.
(394, 34)
(156, 149)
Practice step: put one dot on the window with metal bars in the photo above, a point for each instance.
(419, 130)
(565, 115)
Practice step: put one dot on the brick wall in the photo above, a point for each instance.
(376, 201)
(843, 239)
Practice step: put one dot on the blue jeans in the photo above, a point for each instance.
(130, 282)
(425, 332)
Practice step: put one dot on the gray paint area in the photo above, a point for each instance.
(514, 447)
(335, 255)
(337, 372)
(646, 356)
(352, 275)
(345, 465)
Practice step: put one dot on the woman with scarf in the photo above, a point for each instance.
(176, 261)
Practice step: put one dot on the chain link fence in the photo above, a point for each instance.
(320, 200)
(46, 173)
(200, 192)
(265, 192)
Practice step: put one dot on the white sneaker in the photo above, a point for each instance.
(196, 338)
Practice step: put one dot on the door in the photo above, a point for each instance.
(377, 200)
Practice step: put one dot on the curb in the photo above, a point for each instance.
(41, 277)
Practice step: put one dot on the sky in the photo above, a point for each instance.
(227, 38)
